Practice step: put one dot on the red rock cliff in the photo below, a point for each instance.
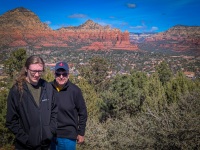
(21, 27)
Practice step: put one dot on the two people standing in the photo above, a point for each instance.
(37, 111)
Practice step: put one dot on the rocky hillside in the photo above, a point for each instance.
(21, 19)
(178, 38)
(20, 27)
(88, 25)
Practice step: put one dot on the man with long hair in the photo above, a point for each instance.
(31, 110)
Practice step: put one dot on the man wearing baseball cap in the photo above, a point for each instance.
(72, 111)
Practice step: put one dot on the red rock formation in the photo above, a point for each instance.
(21, 27)
(177, 38)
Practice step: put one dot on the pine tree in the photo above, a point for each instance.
(91, 98)
(96, 72)
(15, 62)
(6, 138)
(48, 75)
(155, 94)
(164, 72)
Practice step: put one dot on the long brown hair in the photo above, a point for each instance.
(23, 73)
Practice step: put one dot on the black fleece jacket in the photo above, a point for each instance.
(32, 125)
(72, 112)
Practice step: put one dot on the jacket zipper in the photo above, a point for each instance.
(40, 126)
(41, 96)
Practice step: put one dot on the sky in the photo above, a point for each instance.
(127, 15)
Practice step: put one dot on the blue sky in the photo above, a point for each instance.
(130, 15)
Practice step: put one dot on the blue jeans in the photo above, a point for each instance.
(63, 144)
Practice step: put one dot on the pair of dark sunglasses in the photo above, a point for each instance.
(58, 74)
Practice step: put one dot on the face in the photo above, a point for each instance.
(61, 77)
(34, 73)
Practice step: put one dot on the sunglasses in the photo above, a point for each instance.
(58, 74)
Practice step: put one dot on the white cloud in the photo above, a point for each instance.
(131, 5)
(154, 28)
(137, 27)
(78, 16)
(48, 22)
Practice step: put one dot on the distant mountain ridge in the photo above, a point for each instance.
(178, 38)
(21, 27)
(89, 24)
(181, 30)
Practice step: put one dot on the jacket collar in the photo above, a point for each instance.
(41, 82)
(53, 83)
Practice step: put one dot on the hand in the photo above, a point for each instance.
(80, 139)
